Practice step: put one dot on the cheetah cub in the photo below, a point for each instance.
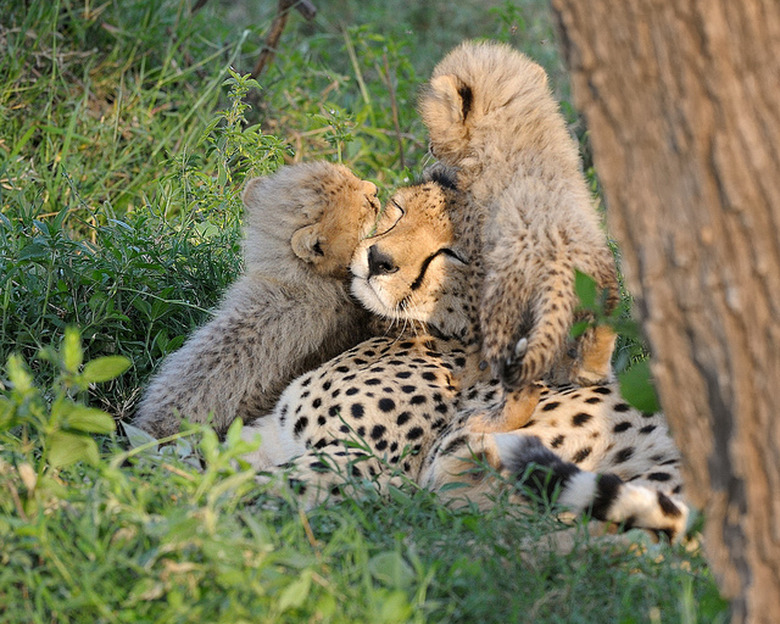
(492, 118)
(287, 313)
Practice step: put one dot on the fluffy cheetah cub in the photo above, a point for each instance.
(491, 117)
(290, 310)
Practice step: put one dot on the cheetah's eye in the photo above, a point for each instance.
(391, 215)
(397, 211)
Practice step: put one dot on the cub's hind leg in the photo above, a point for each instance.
(516, 411)
(593, 357)
(542, 348)
(592, 363)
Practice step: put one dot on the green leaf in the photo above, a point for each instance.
(326, 607)
(391, 569)
(579, 328)
(137, 437)
(90, 420)
(206, 230)
(67, 448)
(143, 307)
(33, 251)
(453, 485)
(42, 226)
(7, 413)
(294, 595)
(395, 608)
(586, 289)
(174, 343)
(61, 407)
(626, 327)
(636, 386)
(19, 375)
(233, 435)
(105, 368)
(209, 445)
(72, 354)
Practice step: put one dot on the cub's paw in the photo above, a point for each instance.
(510, 371)
(592, 378)
(516, 411)
(523, 365)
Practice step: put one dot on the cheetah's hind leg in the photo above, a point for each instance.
(604, 496)
(593, 359)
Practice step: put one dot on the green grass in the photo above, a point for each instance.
(124, 142)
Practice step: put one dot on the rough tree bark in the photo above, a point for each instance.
(682, 100)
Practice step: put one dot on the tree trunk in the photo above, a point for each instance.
(682, 100)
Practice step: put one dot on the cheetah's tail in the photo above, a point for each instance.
(603, 496)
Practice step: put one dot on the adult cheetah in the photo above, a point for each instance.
(418, 405)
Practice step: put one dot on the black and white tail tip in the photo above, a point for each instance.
(603, 496)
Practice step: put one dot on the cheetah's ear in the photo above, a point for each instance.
(306, 245)
(456, 94)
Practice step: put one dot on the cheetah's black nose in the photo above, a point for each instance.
(379, 263)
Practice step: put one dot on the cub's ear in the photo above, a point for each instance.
(306, 244)
(455, 94)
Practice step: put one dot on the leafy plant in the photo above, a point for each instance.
(635, 379)
(45, 433)
(241, 150)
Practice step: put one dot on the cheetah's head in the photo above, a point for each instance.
(315, 212)
(416, 267)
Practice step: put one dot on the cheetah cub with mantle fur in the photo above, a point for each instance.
(491, 117)
(288, 313)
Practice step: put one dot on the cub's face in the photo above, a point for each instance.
(344, 211)
(317, 210)
(412, 268)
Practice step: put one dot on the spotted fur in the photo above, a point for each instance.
(393, 395)
(584, 448)
(302, 226)
(492, 118)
